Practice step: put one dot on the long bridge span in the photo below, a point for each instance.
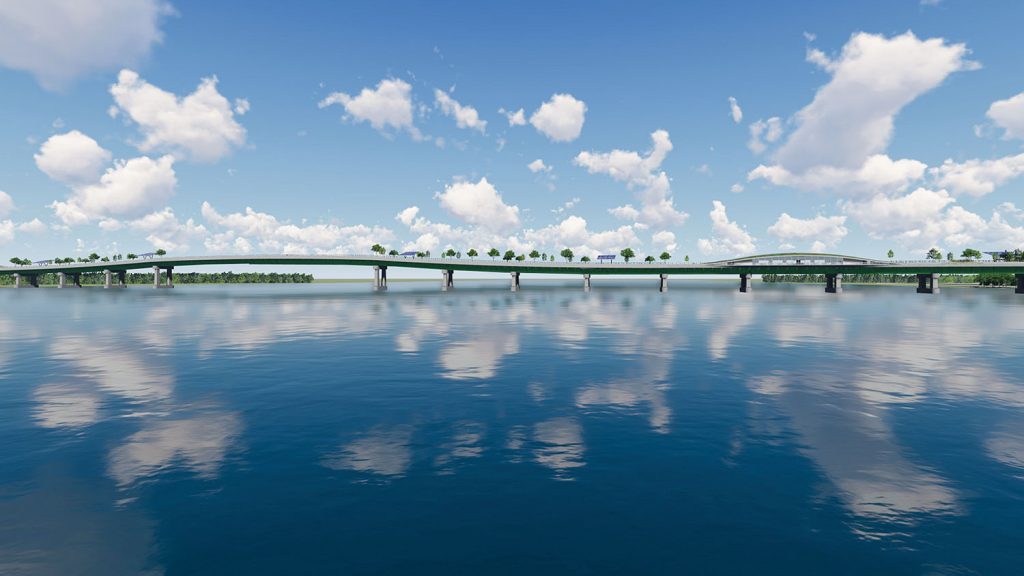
(831, 266)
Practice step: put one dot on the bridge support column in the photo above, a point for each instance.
(170, 277)
(122, 279)
(746, 282)
(61, 279)
(17, 280)
(834, 283)
(515, 281)
(108, 279)
(586, 282)
(380, 277)
(927, 283)
(76, 279)
(1020, 283)
(447, 279)
(33, 280)
(156, 277)
(663, 284)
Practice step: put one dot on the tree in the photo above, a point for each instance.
(934, 254)
(94, 257)
(665, 256)
(161, 252)
(472, 253)
(17, 261)
(585, 259)
(521, 258)
(949, 256)
(649, 259)
(687, 259)
(509, 255)
(426, 253)
(534, 254)
(544, 256)
(393, 252)
(627, 253)
(567, 254)
(104, 259)
(131, 256)
(377, 249)
(421, 254)
(450, 253)
(971, 253)
(891, 253)
(493, 253)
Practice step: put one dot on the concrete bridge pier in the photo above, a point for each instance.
(515, 281)
(108, 277)
(663, 284)
(380, 277)
(927, 283)
(17, 280)
(1020, 283)
(586, 282)
(61, 279)
(156, 277)
(447, 279)
(122, 279)
(76, 279)
(746, 282)
(834, 283)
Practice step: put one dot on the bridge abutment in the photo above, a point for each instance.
(515, 281)
(834, 283)
(746, 282)
(927, 283)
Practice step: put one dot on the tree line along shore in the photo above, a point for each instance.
(990, 279)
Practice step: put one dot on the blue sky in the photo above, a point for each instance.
(265, 127)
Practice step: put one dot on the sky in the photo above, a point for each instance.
(705, 129)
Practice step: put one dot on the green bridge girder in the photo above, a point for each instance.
(853, 265)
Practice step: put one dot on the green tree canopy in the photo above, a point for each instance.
(161, 252)
(649, 259)
(393, 252)
(971, 253)
(585, 259)
(627, 253)
(493, 253)
(567, 254)
(934, 254)
(891, 253)
(534, 254)
(450, 253)
(472, 253)
(665, 256)
(377, 249)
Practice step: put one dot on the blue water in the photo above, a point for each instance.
(328, 429)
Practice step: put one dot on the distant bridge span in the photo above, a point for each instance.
(832, 266)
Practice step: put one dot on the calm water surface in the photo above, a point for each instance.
(328, 429)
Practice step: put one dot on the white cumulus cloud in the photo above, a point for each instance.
(517, 118)
(59, 40)
(727, 237)
(977, 177)
(850, 121)
(560, 118)
(642, 174)
(465, 116)
(538, 165)
(1009, 115)
(479, 204)
(764, 132)
(200, 126)
(821, 231)
(129, 189)
(6, 203)
(735, 110)
(389, 105)
(72, 158)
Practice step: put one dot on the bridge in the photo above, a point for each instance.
(831, 266)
